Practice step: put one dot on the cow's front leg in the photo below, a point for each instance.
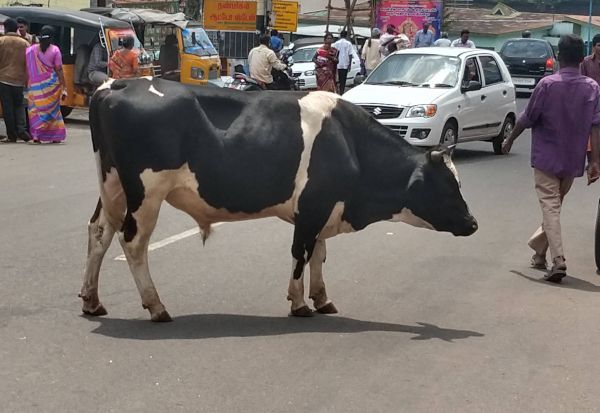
(317, 291)
(100, 235)
(134, 239)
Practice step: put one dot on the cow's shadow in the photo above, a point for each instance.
(203, 326)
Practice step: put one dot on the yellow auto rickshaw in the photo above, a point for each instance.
(180, 48)
(76, 32)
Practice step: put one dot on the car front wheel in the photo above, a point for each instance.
(449, 134)
(507, 128)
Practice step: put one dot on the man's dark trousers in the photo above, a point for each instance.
(13, 111)
(342, 76)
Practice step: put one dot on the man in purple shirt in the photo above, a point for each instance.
(563, 111)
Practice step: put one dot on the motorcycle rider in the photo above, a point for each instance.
(261, 61)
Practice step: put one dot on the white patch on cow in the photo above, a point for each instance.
(152, 89)
(407, 216)
(314, 108)
(450, 165)
(105, 85)
(335, 224)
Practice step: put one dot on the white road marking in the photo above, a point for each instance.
(170, 240)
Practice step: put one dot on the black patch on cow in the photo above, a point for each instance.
(96, 214)
(129, 228)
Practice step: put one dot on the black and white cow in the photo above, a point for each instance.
(313, 160)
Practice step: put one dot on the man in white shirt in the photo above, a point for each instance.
(443, 41)
(346, 53)
(262, 60)
(464, 40)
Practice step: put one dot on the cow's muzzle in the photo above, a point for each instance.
(468, 229)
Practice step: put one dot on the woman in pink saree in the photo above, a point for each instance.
(46, 87)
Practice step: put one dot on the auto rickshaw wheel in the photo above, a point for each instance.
(65, 111)
(597, 239)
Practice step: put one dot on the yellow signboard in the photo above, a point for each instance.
(285, 16)
(230, 15)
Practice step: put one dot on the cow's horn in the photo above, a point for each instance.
(436, 156)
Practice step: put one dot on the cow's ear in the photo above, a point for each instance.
(415, 177)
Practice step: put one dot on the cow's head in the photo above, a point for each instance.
(433, 197)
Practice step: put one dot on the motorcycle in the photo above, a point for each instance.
(282, 80)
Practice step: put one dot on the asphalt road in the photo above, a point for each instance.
(427, 323)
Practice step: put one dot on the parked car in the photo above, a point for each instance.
(303, 68)
(432, 96)
(528, 61)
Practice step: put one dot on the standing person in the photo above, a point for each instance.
(386, 39)
(23, 31)
(562, 112)
(370, 51)
(326, 60)
(98, 65)
(590, 66)
(464, 41)
(443, 41)
(261, 60)
(46, 88)
(346, 53)
(424, 37)
(276, 44)
(13, 78)
(123, 63)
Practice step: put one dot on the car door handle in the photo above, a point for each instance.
(483, 97)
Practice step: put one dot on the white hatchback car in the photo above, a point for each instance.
(303, 68)
(441, 96)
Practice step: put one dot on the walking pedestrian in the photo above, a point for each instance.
(326, 60)
(424, 37)
(464, 41)
(46, 88)
(13, 78)
(346, 54)
(370, 51)
(386, 39)
(563, 110)
(23, 30)
(590, 66)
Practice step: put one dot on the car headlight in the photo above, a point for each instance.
(422, 111)
(309, 73)
(197, 73)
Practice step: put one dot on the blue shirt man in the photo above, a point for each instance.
(424, 38)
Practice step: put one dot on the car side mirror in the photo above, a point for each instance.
(472, 86)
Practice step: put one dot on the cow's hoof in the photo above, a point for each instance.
(303, 311)
(97, 311)
(161, 317)
(328, 308)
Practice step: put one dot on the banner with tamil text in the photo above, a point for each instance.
(408, 16)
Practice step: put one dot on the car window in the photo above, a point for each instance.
(471, 72)
(422, 70)
(491, 71)
(304, 55)
(525, 49)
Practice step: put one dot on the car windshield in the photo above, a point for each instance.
(304, 55)
(526, 49)
(421, 70)
(196, 42)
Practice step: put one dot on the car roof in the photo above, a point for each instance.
(445, 51)
(62, 17)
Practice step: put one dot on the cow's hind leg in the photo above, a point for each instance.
(100, 235)
(134, 238)
(317, 291)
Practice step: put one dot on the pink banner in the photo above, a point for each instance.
(408, 16)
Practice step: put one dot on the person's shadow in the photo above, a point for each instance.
(203, 326)
(569, 282)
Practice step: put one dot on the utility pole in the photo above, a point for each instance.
(589, 39)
